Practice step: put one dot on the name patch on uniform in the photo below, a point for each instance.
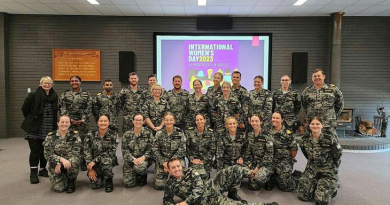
(145, 136)
(239, 140)
(176, 137)
(328, 91)
(206, 136)
(260, 139)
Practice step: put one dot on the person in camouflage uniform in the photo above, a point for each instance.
(132, 98)
(201, 147)
(169, 143)
(323, 100)
(214, 92)
(260, 100)
(154, 109)
(197, 103)
(100, 154)
(189, 186)
(285, 150)
(107, 103)
(243, 96)
(259, 153)
(323, 153)
(152, 80)
(137, 153)
(231, 149)
(62, 152)
(177, 100)
(288, 101)
(225, 106)
(77, 104)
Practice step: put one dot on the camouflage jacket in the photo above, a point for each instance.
(97, 148)
(289, 104)
(284, 143)
(178, 103)
(131, 101)
(134, 146)
(76, 105)
(67, 147)
(226, 108)
(324, 155)
(195, 106)
(166, 147)
(228, 151)
(189, 188)
(107, 105)
(201, 146)
(260, 103)
(155, 111)
(260, 150)
(213, 94)
(243, 96)
(327, 102)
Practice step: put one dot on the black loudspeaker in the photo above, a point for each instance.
(299, 67)
(126, 65)
(214, 23)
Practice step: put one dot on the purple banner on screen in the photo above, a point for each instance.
(204, 58)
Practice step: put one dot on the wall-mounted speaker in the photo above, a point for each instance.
(126, 65)
(214, 23)
(299, 67)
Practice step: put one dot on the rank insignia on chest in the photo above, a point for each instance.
(288, 131)
(76, 131)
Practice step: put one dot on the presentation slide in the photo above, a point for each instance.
(199, 57)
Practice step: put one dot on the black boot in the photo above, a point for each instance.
(109, 185)
(233, 195)
(334, 193)
(43, 173)
(83, 165)
(71, 186)
(34, 176)
(143, 180)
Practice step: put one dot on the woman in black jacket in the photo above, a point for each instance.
(40, 112)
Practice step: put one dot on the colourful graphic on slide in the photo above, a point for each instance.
(204, 58)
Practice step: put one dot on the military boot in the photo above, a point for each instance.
(34, 176)
(233, 195)
(43, 173)
(109, 185)
(273, 203)
(71, 186)
(334, 193)
(143, 180)
(83, 165)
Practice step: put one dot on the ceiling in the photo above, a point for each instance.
(234, 8)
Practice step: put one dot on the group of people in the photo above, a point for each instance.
(242, 134)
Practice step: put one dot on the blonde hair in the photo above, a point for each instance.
(220, 74)
(46, 78)
(230, 118)
(227, 83)
(169, 113)
(154, 86)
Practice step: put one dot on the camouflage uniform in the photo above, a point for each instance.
(327, 102)
(132, 102)
(323, 160)
(155, 111)
(102, 151)
(260, 104)
(229, 150)
(67, 147)
(284, 143)
(78, 107)
(260, 154)
(133, 147)
(178, 103)
(193, 190)
(289, 104)
(148, 94)
(166, 147)
(213, 94)
(203, 147)
(107, 105)
(243, 96)
(224, 109)
(195, 107)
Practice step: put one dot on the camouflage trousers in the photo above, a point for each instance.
(161, 176)
(225, 180)
(320, 184)
(60, 181)
(103, 170)
(83, 131)
(282, 175)
(127, 122)
(130, 171)
(262, 176)
(203, 170)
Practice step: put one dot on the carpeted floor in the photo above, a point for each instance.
(365, 179)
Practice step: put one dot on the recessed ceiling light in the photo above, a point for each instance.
(93, 2)
(202, 2)
(299, 2)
